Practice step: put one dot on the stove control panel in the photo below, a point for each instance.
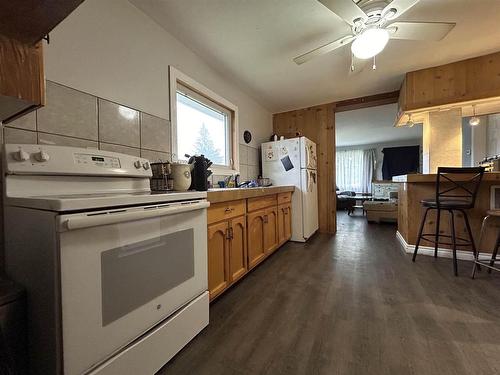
(97, 160)
(62, 160)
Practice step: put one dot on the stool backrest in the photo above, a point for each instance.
(460, 184)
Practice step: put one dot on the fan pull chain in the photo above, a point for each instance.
(352, 63)
(374, 66)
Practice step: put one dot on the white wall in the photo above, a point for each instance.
(112, 50)
(379, 147)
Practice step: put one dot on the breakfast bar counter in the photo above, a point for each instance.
(416, 187)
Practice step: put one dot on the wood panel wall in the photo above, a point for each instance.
(467, 80)
(318, 124)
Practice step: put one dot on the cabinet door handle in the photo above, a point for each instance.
(231, 233)
(228, 233)
(266, 219)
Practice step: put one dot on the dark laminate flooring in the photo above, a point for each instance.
(351, 304)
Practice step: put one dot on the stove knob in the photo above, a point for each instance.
(137, 164)
(21, 155)
(42, 156)
(146, 166)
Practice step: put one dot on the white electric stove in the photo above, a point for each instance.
(116, 274)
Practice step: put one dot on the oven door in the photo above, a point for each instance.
(123, 271)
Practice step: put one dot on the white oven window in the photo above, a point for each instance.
(135, 274)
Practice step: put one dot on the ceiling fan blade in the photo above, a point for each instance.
(345, 9)
(323, 49)
(401, 6)
(434, 31)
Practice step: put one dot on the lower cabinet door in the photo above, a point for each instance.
(287, 221)
(271, 229)
(255, 233)
(237, 249)
(281, 224)
(218, 258)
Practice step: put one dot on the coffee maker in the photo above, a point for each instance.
(199, 172)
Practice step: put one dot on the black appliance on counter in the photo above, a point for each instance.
(200, 172)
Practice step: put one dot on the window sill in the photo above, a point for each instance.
(221, 171)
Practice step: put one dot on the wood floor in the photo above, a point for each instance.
(351, 304)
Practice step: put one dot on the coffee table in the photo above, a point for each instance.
(359, 199)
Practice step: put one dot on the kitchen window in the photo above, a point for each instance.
(202, 123)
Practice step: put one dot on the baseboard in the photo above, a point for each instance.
(442, 253)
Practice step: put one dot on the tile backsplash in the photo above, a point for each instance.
(74, 118)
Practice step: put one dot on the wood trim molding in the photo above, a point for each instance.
(175, 77)
(442, 253)
(318, 124)
(367, 101)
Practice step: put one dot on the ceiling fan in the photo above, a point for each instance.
(372, 25)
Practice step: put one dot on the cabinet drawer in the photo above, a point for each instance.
(284, 197)
(225, 210)
(261, 202)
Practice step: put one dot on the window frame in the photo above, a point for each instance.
(176, 79)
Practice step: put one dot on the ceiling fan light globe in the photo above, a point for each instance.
(370, 43)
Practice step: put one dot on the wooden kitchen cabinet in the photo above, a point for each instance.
(256, 243)
(271, 229)
(262, 234)
(22, 80)
(237, 248)
(218, 258)
(227, 245)
(284, 223)
(242, 233)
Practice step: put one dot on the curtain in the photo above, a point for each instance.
(400, 160)
(369, 160)
(354, 170)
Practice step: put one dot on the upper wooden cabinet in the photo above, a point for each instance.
(463, 81)
(29, 21)
(22, 80)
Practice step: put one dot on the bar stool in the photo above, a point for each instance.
(456, 191)
(492, 214)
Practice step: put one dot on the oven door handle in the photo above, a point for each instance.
(80, 222)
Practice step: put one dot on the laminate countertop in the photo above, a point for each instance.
(411, 178)
(231, 194)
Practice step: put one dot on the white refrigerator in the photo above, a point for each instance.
(294, 162)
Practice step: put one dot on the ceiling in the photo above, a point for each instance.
(252, 42)
(371, 126)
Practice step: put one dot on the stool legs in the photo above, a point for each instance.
(491, 264)
(495, 252)
(481, 235)
(453, 242)
(438, 220)
(469, 232)
(422, 223)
